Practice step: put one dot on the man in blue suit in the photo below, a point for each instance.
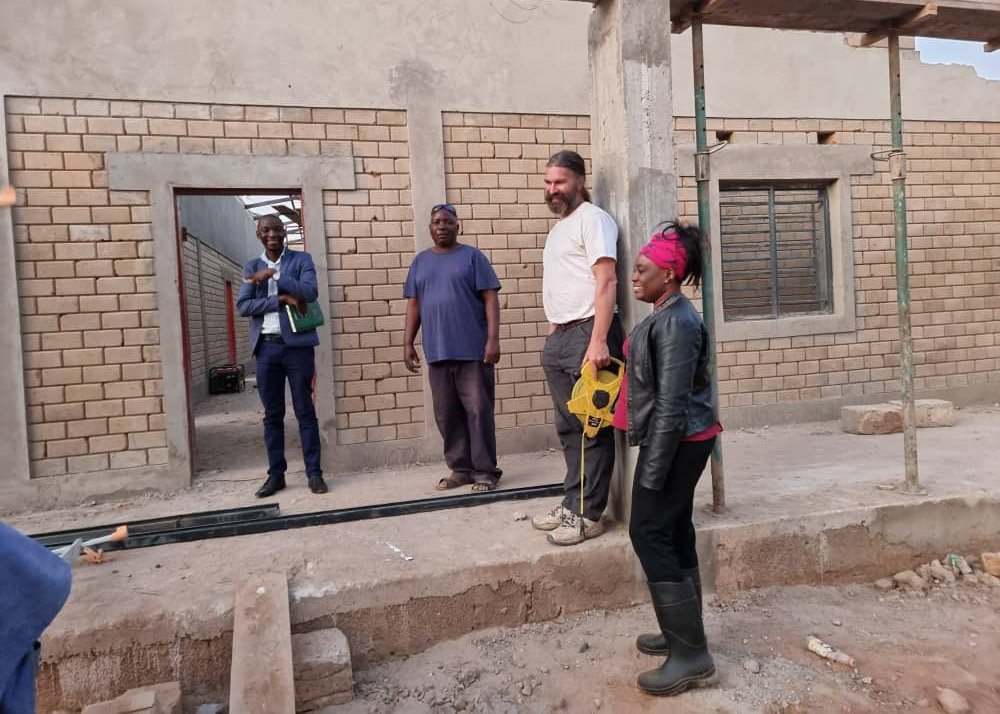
(280, 278)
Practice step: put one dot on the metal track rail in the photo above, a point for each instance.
(159, 525)
(223, 528)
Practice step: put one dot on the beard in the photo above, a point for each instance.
(559, 203)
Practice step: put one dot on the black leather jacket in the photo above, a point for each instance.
(669, 387)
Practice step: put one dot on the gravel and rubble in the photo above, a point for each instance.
(910, 645)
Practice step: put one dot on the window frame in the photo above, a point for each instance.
(821, 256)
(831, 165)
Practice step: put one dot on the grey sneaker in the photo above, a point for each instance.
(569, 531)
(550, 520)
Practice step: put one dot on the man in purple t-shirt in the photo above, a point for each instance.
(451, 291)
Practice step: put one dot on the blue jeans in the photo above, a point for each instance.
(276, 363)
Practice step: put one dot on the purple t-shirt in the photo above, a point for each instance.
(448, 287)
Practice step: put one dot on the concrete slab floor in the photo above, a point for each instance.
(771, 472)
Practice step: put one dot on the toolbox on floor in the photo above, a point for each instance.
(227, 379)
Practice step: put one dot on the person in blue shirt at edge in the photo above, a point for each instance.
(277, 278)
(451, 291)
(34, 585)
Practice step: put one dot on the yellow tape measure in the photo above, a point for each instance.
(594, 396)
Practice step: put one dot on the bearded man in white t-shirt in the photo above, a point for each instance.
(579, 297)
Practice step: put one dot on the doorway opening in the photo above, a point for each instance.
(216, 233)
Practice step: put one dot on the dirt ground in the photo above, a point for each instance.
(906, 647)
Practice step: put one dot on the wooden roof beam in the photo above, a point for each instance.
(704, 7)
(992, 45)
(902, 25)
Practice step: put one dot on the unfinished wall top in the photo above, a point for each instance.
(480, 55)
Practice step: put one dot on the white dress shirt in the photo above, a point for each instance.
(272, 325)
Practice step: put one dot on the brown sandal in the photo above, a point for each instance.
(450, 482)
(483, 486)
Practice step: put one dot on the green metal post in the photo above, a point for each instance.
(897, 169)
(701, 164)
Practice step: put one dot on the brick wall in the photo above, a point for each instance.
(88, 305)
(494, 165)
(953, 201)
(370, 243)
(206, 272)
(85, 266)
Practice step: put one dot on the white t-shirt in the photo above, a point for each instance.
(572, 248)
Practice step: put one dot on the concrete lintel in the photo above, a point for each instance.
(14, 422)
(143, 171)
(777, 163)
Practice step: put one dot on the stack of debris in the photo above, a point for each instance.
(949, 570)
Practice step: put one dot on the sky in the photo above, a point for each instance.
(957, 52)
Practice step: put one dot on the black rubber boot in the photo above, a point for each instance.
(654, 643)
(689, 664)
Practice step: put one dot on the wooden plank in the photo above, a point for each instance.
(992, 45)
(904, 25)
(704, 7)
(261, 679)
(975, 20)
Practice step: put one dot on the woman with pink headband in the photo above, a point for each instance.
(665, 405)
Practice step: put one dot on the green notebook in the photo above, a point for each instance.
(303, 323)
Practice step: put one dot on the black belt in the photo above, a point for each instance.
(574, 323)
(271, 338)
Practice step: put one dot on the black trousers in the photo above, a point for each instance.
(561, 360)
(661, 529)
(463, 393)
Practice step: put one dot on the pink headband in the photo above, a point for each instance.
(666, 251)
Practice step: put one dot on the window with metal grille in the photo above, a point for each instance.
(775, 251)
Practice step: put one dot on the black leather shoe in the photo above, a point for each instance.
(317, 484)
(271, 486)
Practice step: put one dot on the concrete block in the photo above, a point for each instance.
(157, 699)
(261, 677)
(932, 412)
(323, 675)
(871, 419)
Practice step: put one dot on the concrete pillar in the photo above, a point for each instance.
(427, 187)
(632, 138)
(13, 414)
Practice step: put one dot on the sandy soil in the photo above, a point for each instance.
(906, 646)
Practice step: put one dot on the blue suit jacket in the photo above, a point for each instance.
(298, 278)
